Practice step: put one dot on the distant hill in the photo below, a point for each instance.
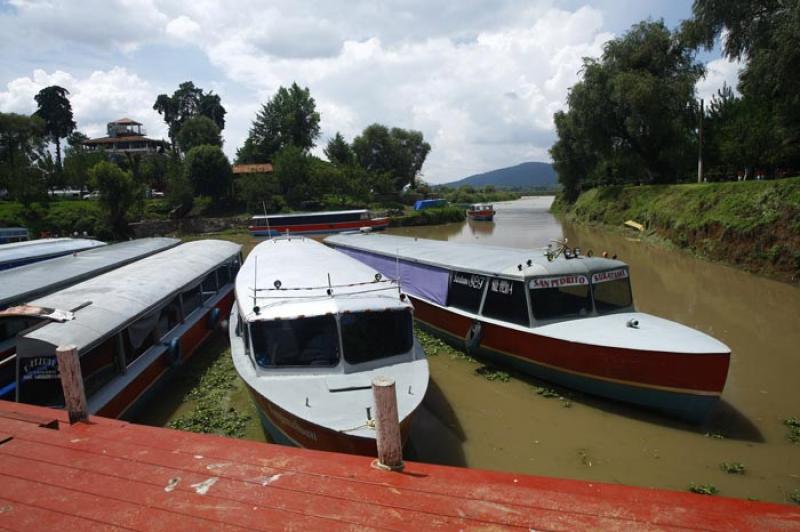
(525, 175)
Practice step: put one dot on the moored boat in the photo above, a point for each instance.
(131, 326)
(568, 319)
(482, 212)
(316, 223)
(32, 281)
(310, 330)
(25, 252)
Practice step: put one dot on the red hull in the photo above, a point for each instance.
(483, 216)
(377, 224)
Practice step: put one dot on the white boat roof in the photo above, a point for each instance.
(44, 247)
(293, 214)
(20, 284)
(302, 265)
(121, 296)
(473, 258)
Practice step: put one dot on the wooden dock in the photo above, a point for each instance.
(108, 474)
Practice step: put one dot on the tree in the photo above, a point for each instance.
(631, 116)
(397, 152)
(56, 111)
(78, 160)
(260, 191)
(289, 118)
(120, 195)
(186, 103)
(339, 151)
(293, 170)
(209, 171)
(22, 148)
(197, 131)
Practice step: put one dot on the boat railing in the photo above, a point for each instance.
(330, 289)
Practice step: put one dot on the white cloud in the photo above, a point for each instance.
(99, 98)
(183, 28)
(719, 72)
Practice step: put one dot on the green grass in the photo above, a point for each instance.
(436, 216)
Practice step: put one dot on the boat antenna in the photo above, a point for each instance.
(330, 286)
(397, 268)
(255, 279)
(266, 219)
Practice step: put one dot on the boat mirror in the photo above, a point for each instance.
(377, 277)
(633, 324)
(277, 284)
(256, 309)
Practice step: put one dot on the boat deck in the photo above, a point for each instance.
(108, 474)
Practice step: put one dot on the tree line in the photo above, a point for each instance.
(634, 116)
(195, 170)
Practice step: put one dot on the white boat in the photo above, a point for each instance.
(310, 330)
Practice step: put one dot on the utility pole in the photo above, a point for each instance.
(700, 144)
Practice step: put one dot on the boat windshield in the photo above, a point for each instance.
(612, 290)
(370, 336)
(302, 342)
(560, 297)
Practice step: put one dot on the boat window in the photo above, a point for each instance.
(612, 290)
(170, 317)
(466, 291)
(140, 336)
(209, 285)
(506, 301)
(10, 326)
(224, 275)
(191, 300)
(374, 335)
(302, 342)
(559, 297)
(99, 366)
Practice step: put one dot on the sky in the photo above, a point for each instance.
(480, 79)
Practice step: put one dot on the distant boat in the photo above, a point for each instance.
(310, 330)
(25, 252)
(316, 223)
(33, 281)
(568, 319)
(131, 326)
(482, 212)
(9, 235)
(421, 205)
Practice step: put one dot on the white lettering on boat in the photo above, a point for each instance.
(558, 282)
(502, 286)
(472, 281)
(611, 275)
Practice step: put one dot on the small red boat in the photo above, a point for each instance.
(566, 318)
(316, 223)
(482, 212)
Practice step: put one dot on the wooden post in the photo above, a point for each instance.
(390, 443)
(69, 368)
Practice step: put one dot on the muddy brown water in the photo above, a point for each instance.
(467, 420)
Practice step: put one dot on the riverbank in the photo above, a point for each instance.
(753, 225)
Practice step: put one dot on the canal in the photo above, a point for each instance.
(532, 427)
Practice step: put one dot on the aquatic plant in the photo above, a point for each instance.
(714, 435)
(703, 489)
(794, 496)
(794, 429)
(548, 393)
(734, 468)
(492, 374)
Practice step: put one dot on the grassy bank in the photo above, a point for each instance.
(443, 215)
(754, 225)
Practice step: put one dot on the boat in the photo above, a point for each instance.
(310, 330)
(9, 235)
(316, 223)
(32, 281)
(433, 203)
(20, 253)
(131, 326)
(555, 314)
(482, 212)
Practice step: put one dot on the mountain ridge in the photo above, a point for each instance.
(524, 175)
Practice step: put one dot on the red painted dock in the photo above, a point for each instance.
(108, 474)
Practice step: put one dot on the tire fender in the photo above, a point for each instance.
(472, 341)
(213, 318)
(174, 350)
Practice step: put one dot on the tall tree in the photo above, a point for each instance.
(209, 171)
(187, 102)
(631, 116)
(22, 149)
(56, 111)
(338, 151)
(288, 118)
(197, 131)
(397, 152)
(120, 196)
(78, 160)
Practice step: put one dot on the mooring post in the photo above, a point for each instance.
(390, 443)
(69, 368)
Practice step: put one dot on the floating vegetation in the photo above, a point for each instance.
(794, 496)
(433, 346)
(794, 429)
(585, 458)
(492, 374)
(733, 468)
(547, 393)
(703, 489)
(211, 413)
(714, 435)
(566, 403)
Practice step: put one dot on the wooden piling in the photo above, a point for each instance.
(387, 424)
(69, 368)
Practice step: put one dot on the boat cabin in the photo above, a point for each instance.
(19, 253)
(130, 325)
(304, 218)
(511, 285)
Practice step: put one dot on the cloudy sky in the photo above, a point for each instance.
(480, 79)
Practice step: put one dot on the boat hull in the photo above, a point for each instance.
(481, 216)
(376, 224)
(679, 384)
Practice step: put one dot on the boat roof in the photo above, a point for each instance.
(31, 249)
(292, 214)
(304, 266)
(121, 296)
(474, 258)
(20, 284)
